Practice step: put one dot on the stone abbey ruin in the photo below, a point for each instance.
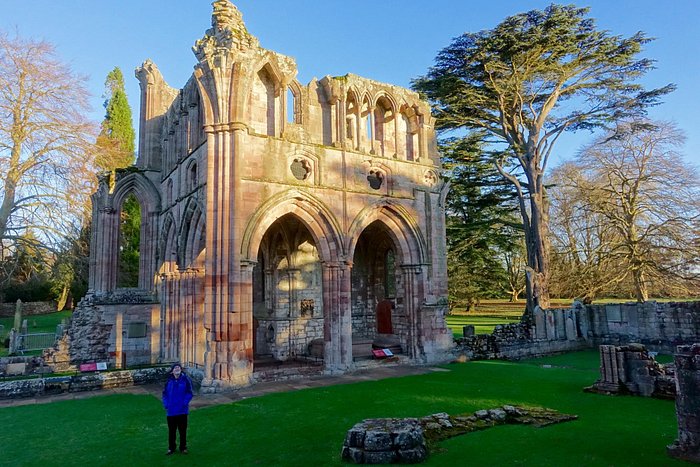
(278, 221)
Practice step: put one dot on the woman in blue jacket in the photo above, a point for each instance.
(177, 395)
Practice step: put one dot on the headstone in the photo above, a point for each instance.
(468, 330)
(551, 328)
(540, 324)
(25, 327)
(570, 329)
(559, 319)
(18, 315)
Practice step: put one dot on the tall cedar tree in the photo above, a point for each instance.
(524, 83)
(480, 207)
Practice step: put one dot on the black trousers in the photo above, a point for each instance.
(177, 423)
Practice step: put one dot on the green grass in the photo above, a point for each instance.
(307, 427)
(35, 323)
(483, 323)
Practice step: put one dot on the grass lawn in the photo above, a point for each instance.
(307, 427)
(35, 323)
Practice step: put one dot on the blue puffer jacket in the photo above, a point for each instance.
(177, 395)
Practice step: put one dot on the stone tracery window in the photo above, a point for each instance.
(301, 168)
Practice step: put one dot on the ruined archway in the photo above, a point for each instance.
(387, 281)
(287, 292)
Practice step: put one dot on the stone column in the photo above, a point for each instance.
(687, 446)
(413, 295)
(337, 327)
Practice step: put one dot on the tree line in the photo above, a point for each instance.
(620, 219)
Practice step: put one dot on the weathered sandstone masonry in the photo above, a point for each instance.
(273, 214)
(687, 446)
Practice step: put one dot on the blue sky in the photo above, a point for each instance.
(387, 40)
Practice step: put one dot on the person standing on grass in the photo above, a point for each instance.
(177, 395)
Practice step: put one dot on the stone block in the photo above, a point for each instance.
(16, 369)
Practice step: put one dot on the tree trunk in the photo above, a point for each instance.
(640, 287)
(537, 244)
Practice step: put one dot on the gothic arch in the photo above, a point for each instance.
(317, 218)
(192, 234)
(142, 188)
(167, 244)
(402, 228)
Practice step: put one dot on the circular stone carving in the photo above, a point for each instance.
(430, 178)
(301, 168)
(375, 179)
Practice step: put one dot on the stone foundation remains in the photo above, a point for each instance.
(629, 369)
(687, 446)
(407, 440)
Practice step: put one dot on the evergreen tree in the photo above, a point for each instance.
(480, 223)
(117, 135)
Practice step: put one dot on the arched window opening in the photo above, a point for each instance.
(366, 123)
(291, 106)
(169, 193)
(390, 274)
(351, 115)
(264, 108)
(129, 243)
(192, 177)
(384, 128)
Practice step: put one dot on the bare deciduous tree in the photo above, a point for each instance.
(634, 211)
(46, 145)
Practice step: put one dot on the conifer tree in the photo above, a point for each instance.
(117, 135)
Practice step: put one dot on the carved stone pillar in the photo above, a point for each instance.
(413, 297)
(337, 328)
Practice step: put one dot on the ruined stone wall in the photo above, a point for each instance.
(288, 338)
(117, 333)
(28, 308)
(687, 445)
(659, 326)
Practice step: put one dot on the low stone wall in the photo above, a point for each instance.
(514, 342)
(17, 389)
(659, 326)
(28, 309)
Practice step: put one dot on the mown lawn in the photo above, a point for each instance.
(307, 427)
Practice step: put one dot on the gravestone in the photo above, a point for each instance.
(540, 324)
(18, 315)
(570, 329)
(468, 330)
(551, 328)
